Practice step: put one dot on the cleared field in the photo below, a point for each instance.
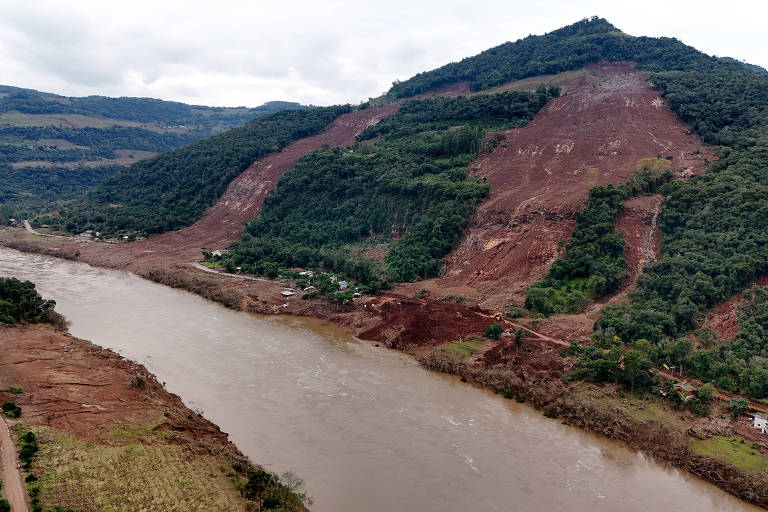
(732, 450)
(141, 471)
(566, 80)
(70, 120)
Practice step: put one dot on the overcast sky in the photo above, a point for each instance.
(230, 53)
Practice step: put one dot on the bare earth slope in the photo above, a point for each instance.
(222, 224)
(540, 178)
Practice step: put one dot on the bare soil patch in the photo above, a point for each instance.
(541, 175)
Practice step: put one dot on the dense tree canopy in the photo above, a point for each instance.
(20, 303)
(572, 47)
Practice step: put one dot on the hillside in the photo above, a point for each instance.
(603, 191)
(53, 147)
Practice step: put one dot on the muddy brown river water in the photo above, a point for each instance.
(367, 428)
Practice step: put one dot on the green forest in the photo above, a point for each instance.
(568, 48)
(403, 184)
(20, 303)
(714, 226)
(594, 263)
(142, 110)
(173, 189)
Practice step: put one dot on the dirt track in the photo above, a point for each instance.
(13, 489)
(593, 136)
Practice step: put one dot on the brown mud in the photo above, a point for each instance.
(724, 319)
(74, 386)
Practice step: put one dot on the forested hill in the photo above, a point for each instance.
(53, 147)
(173, 189)
(141, 110)
(568, 48)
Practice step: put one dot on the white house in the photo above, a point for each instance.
(761, 422)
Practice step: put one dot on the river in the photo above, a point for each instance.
(367, 428)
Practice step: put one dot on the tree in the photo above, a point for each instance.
(494, 331)
(706, 392)
(636, 368)
(518, 338)
(259, 483)
(737, 406)
(291, 492)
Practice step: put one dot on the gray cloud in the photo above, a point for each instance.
(245, 53)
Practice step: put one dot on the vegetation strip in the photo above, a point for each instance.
(594, 264)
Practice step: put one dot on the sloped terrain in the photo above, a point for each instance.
(223, 223)
(540, 177)
(53, 147)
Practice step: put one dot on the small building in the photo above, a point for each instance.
(761, 423)
(307, 273)
(220, 252)
(684, 388)
(343, 285)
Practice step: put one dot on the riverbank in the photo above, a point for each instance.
(421, 327)
(109, 435)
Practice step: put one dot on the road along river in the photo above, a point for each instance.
(367, 428)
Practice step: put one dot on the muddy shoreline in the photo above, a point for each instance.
(533, 375)
(74, 388)
(56, 370)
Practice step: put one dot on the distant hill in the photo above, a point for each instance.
(53, 147)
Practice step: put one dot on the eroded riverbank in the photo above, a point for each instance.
(367, 428)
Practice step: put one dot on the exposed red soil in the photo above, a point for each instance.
(541, 176)
(222, 224)
(537, 355)
(409, 322)
(637, 220)
(71, 385)
(724, 319)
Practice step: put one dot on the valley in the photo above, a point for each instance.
(591, 244)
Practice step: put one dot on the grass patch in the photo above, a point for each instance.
(462, 348)
(212, 264)
(133, 477)
(733, 450)
(138, 432)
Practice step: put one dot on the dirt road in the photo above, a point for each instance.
(13, 489)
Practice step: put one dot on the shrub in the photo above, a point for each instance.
(737, 406)
(11, 410)
(494, 331)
